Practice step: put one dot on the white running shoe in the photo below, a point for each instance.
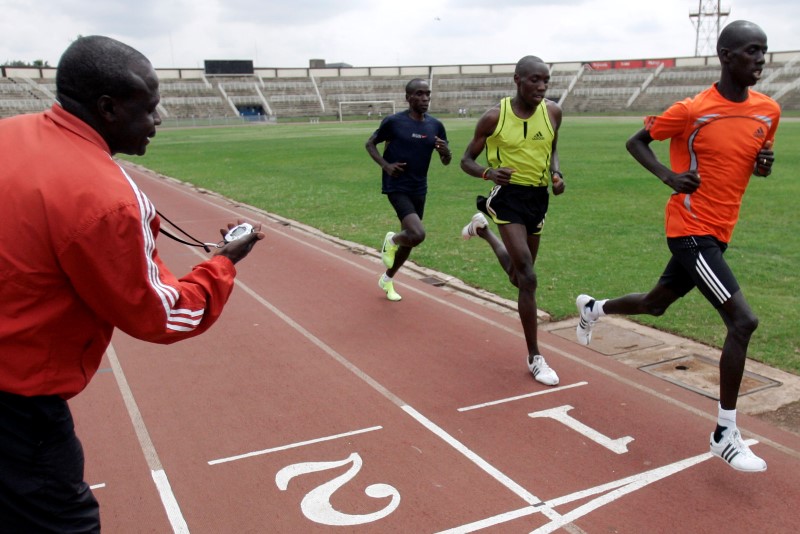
(541, 371)
(589, 316)
(471, 230)
(735, 451)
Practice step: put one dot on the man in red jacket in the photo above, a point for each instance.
(77, 260)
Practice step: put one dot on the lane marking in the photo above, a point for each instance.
(377, 386)
(519, 397)
(97, 486)
(616, 490)
(559, 413)
(575, 359)
(168, 500)
(495, 473)
(491, 521)
(623, 487)
(561, 521)
(293, 445)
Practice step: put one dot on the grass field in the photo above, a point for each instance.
(604, 236)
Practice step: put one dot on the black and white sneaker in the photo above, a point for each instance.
(471, 230)
(735, 451)
(541, 371)
(589, 316)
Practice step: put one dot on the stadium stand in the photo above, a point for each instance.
(192, 99)
(642, 86)
(23, 95)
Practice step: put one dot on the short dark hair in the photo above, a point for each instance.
(410, 85)
(524, 63)
(95, 65)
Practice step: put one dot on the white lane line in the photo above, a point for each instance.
(615, 490)
(480, 462)
(498, 519)
(519, 397)
(97, 486)
(517, 332)
(293, 445)
(168, 500)
(495, 473)
(482, 318)
(621, 488)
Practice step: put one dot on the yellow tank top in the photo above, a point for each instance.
(522, 144)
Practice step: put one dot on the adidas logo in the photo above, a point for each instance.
(759, 134)
(538, 137)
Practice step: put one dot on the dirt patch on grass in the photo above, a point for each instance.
(786, 417)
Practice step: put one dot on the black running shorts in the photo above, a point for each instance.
(405, 204)
(697, 262)
(520, 204)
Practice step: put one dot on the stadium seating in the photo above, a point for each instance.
(22, 96)
(462, 91)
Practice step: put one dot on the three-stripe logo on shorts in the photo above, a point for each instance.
(711, 280)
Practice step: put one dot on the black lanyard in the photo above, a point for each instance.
(197, 242)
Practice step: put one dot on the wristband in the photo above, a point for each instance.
(558, 173)
(485, 174)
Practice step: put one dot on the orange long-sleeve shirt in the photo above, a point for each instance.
(78, 258)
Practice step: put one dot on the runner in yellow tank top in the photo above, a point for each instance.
(520, 137)
(524, 145)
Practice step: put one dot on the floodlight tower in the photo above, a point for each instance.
(708, 21)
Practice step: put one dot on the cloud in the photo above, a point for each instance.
(287, 33)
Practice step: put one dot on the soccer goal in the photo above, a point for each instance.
(370, 109)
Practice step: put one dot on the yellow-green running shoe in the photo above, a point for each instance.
(391, 294)
(388, 251)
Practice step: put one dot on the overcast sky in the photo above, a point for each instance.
(287, 33)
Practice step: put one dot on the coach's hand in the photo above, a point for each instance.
(238, 249)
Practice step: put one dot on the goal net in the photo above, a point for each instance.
(365, 109)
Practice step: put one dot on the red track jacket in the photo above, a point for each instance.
(78, 258)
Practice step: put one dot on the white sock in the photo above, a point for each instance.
(726, 418)
(598, 307)
(386, 278)
(391, 241)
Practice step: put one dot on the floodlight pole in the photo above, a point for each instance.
(708, 21)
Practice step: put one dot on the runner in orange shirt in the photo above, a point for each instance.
(719, 139)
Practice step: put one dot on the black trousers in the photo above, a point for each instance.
(41, 469)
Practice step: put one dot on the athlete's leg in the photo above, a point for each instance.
(411, 235)
(703, 258)
(741, 322)
(655, 302)
(522, 250)
(726, 441)
(673, 284)
(499, 250)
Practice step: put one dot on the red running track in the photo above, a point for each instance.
(316, 405)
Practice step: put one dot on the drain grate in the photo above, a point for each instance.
(432, 280)
(701, 375)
